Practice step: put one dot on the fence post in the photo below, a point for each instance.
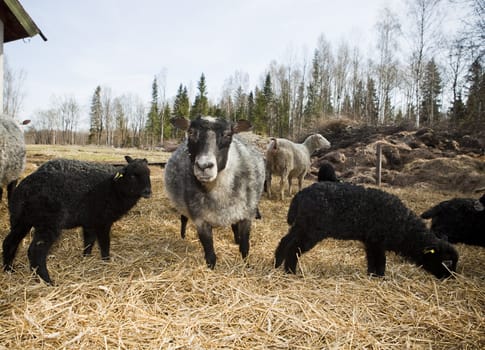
(379, 163)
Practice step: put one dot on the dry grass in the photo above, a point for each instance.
(156, 292)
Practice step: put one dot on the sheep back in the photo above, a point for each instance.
(284, 154)
(458, 220)
(12, 150)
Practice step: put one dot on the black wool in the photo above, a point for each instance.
(459, 220)
(64, 194)
(376, 218)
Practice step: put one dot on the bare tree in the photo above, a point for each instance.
(69, 114)
(13, 93)
(108, 114)
(341, 72)
(326, 68)
(425, 16)
(388, 31)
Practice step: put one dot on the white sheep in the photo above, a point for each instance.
(215, 179)
(288, 160)
(12, 153)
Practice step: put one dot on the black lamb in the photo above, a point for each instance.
(326, 172)
(379, 219)
(459, 220)
(64, 194)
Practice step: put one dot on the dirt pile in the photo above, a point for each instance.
(425, 157)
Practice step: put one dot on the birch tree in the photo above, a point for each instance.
(424, 16)
(388, 31)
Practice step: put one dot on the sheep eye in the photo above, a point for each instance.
(191, 133)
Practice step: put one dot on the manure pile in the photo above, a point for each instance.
(156, 292)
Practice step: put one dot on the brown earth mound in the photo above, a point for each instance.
(425, 157)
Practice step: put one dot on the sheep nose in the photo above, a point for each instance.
(205, 165)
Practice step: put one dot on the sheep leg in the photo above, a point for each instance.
(235, 230)
(284, 176)
(290, 180)
(38, 250)
(89, 235)
(282, 249)
(244, 228)
(205, 236)
(10, 188)
(300, 181)
(1, 193)
(183, 225)
(267, 183)
(102, 234)
(376, 259)
(11, 242)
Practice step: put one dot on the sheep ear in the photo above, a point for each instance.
(128, 159)
(241, 125)
(180, 123)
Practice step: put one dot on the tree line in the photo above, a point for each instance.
(417, 74)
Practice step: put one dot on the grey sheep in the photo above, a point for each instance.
(215, 179)
(63, 194)
(12, 153)
(459, 220)
(378, 219)
(290, 160)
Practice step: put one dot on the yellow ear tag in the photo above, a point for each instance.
(118, 176)
(429, 251)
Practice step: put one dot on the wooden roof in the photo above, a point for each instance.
(17, 23)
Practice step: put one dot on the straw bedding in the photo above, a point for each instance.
(156, 292)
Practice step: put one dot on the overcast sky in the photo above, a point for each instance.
(123, 44)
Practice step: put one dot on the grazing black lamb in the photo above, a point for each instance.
(64, 194)
(459, 220)
(378, 219)
(215, 179)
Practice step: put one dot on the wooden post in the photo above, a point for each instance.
(379, 164)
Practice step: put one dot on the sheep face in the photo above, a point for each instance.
(208, 142)
(440, 259)
(134, 179)
(315, 142)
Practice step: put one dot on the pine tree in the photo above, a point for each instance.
(260, 124)
(458, 110)
(430, 92)
(251, 107)
(167, 126)
(152, 125)
(269, 117)
(201, 103)
(475, 105)
(313, 103)
(358, 101)
(371, 103)
(96, 117)
(181, 104)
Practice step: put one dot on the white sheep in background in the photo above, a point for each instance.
(12, 153)
(215, 179)
(288, 160)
